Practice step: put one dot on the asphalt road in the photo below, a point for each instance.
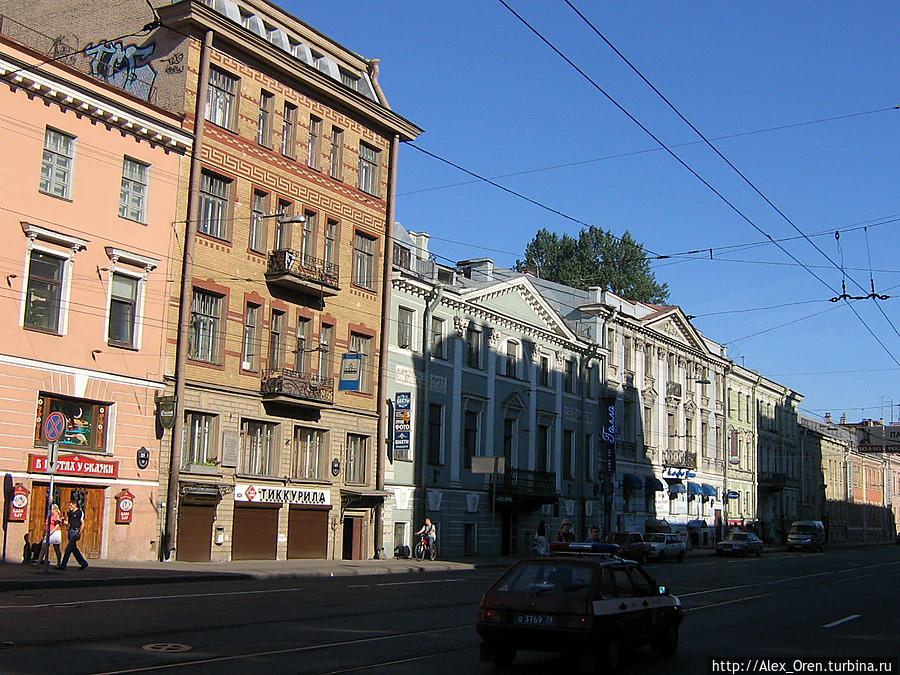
(841, 604)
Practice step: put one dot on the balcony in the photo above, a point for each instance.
(290, 386)
(522, 486)
(303, 273)
(772, 480)
(680, 459)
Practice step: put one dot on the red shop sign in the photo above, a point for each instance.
(75, 465)
(18, 505)
(124, 507)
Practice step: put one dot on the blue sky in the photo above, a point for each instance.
(495, 99)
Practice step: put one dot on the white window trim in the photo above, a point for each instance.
(413, 317)
(118, 259)
(75, 245)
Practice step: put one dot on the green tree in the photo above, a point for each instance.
(596, 258)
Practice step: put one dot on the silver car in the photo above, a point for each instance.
(666, 546)
(740, 543)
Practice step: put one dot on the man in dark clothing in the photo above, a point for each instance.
(565, 532)
(74, 523)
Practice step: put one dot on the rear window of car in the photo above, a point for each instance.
(803, 529)
(549, 578)
(657, 538)
(739, 536)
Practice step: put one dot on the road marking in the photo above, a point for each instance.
(290, 650)
(101, 601)
(397, 661)
(840, 621)
(405, 583)
(716, 590)
(166, 647)
(726, 602)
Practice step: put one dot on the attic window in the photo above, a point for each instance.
(401, 256)
(350, 79)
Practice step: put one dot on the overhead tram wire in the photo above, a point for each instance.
(693, 172)
(735, 169)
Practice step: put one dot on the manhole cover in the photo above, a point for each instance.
(166, 647)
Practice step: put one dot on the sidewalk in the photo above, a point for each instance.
(17, 576)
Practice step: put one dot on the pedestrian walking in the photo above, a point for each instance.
(55, 539)
(75, 524)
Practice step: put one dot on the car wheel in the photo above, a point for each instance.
(504, 656)
(666, 642)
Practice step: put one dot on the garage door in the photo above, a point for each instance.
(307, 533)
(195, 523)
(255, 535)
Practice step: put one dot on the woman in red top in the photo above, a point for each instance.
(55, 536)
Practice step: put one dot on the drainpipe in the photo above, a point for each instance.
(381, 445)
(184, 308)
(423, 402)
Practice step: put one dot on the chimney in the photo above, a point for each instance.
(828, 418)
(477, 269)
(843, 418)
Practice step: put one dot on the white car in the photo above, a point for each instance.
(664, 546)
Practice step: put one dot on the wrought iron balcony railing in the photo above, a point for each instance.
(293, 384)
(525, 483)
(681, 459)
(288, 268)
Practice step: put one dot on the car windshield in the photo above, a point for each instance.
(803, 529)
(547, 578)
(656, 538)
(737, 536)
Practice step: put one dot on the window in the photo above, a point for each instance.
(512, 358)
(326, 344)
(86, 423)
(437, 337)
(43, 299)
(309, 452)
(336, 154)
(355, 464)
(56, 166)
(250, 348)
(364, 261)
(402, 256)
(206, 327)
(314, 149)
(401, 531)
(544, 372)
(588, 457)
(362, 345)
(704, 438)
(648, 426)
(544, 461)
(470, 436)
(135, 183)
(473, 348)
(308, 243)
(215, 193)
(304, 340)
(672, 431)
(283, 226)
(264, 125)
(276, 340)
(258, 446)
(260, 209)
(626, 357)
(368, 169)
(331, 243)
(569, 376)
(199, 439)
(404, 328)
(509, 440)
(123, 309)
(568, 454)
(221, 98)
(470, 538)
(289, 131)
(435, 434)
(350, 79)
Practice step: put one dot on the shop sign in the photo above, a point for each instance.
(609, 435)
(351, 368)
(75, 465)
(18, 505)
(124, 507)
(402, 422)
(281, 495)
(733, 494)
(678, 474)
(166, 411)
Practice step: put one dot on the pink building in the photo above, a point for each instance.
(88, 188)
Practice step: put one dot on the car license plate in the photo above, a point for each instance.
(535, 619)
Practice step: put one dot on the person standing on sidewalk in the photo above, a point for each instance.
(75, 524)
(55, 537)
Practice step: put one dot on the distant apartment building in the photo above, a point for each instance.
(88, 192)
(282, 212)
(741, 436)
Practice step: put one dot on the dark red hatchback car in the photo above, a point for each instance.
(588, 603)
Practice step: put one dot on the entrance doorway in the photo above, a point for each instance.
(353, 539)
(195, 523)
(88, 499)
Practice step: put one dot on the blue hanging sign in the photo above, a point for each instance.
(351, 372)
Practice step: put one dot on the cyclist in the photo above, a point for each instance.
(430, 532)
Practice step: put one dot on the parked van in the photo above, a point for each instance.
(806, 534)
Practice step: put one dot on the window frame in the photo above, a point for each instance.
(264, 125)
(314, 145)
(336, 154)
(55, 159)
(259, 209)
(326, 347)
(277, 324)
(97, 443)
(356, 459)
(62, 293)
(358, 340)
(136, 311)
(435, 435)
(474, 345)
(369, 168)
(222, 88)
(209, 435)
(259, 449)
(471, 436)
(215, 207)
(250, 344)
(332, 242)
(289, 130)
(437, 338)
(300, 466)
(405, 327)
(134, 187)
(212, 353)
(364, 260)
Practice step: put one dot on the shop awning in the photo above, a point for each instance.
(365, 498)
(708, 490)
(696, 523)
(694, 488)
(653, 484)
(677, 489)
(630, 480)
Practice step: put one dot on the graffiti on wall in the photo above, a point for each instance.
(124, 66)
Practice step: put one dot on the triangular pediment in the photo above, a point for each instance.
(674, 325)
(520, 300)
(514, 402)
(649, 393)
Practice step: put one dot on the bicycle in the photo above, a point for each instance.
(422, 549)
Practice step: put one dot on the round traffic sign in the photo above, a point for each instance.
(54, 426)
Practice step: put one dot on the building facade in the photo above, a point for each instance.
(741, 446)
(281, 234)
(86, 211)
